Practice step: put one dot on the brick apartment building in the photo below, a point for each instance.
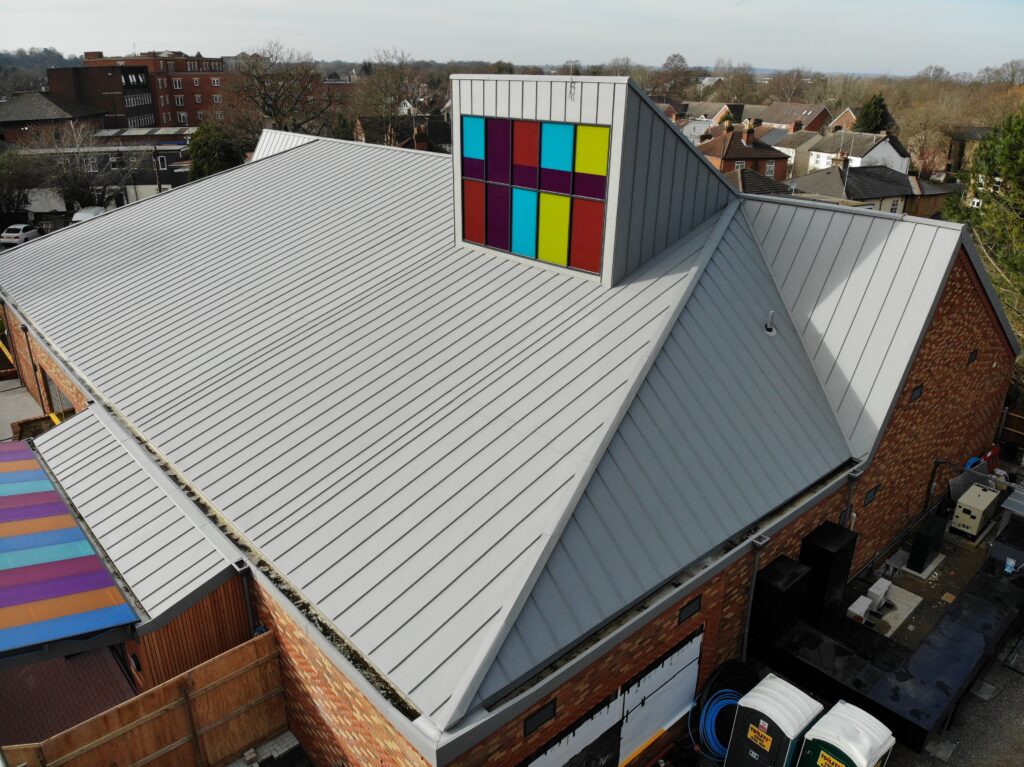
(739, 148)
(498, 496)
(121, 93)
(185, 90)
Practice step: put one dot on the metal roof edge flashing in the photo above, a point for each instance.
(463, 693)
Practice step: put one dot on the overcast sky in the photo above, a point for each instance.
(884, 36)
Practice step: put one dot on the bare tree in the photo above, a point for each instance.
(789, 85)
(78, 168)
(381, 93)
(674, 78)
(280, 88)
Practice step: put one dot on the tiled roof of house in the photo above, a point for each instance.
(787, 113)
(731, 146)
(865, 183)
(752, 182)
(38, 107)
(857, 144)
(798, 139)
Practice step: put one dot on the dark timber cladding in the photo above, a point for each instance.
(667, 188)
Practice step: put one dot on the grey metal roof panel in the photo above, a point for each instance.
(729, 424)
(276, 141)
(396, 423)
(161, 555)
(860, 287)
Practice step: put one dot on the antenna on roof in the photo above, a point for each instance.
(572, 82)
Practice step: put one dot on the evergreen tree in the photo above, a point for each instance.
(873, 115)
(212, 149)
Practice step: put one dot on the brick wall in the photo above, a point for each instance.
(41, 356)
(333, 720)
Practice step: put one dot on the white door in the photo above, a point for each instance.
(585, 734)
(659, 699)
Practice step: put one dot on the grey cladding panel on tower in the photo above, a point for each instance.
(667, 190)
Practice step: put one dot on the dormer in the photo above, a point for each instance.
(579, 173)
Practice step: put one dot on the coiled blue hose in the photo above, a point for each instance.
(715, 705)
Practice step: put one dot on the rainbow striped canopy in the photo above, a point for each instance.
(53, 585)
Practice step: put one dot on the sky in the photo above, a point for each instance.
(874, 36)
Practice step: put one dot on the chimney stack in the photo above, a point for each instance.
(727, 126)
(748, 133)
(841, 161)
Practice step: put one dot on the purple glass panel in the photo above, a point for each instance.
(555, 181)
(472, 168)
(525, 176)
(64, 568)
(499, 150)
(57, 587)
(499, 209)
(589, 185)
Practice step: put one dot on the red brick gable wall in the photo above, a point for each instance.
(41, 355)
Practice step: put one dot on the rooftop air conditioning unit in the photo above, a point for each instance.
(878, 594)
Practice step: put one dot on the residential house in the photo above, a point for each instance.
(783, 114)
(877, 186)
(796, 145)
(430, 132)
(862, 149)
(493, 370)
(32, 117)
(847, 120)
(123, 93)
(739, 148)
(185, 90)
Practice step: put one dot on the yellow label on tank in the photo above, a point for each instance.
(825, 760)
(592, 150)
(760, 738)
(553, 234)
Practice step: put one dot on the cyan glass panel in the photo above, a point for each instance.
(524, 222)
(473, 137)
(556, 146)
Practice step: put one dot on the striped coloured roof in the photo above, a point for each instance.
(53, 585)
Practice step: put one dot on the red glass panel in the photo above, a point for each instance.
(585, 242)
(474, 228)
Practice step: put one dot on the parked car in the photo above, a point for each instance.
(18, 233)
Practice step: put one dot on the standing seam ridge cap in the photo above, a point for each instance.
(463, 695)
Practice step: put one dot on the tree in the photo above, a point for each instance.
(382, 92)
(75, 166)
(17, 176)
(674, 78)
(213, 149)
(789, 85)
(277, 88)
(873, 115)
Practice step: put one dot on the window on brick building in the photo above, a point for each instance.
(195, 82)
(537, 718)
(688, 610)
(176, 83)
(179, 101)
(200, 116)
(972, 357)
(161, 162)
(218, 115)
(870, 495)
(199, 98)
(161, 82)
(769, 168)
(215, 82)
(740, 165)
(917, 392)
(217, 98)
(183, 118)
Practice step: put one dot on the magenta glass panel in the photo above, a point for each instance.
(472, 168)
(556, 181)
(525, 176)
(589, 185)
(499, 212)
(499, 150)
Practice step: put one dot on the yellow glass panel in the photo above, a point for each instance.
(592, 150)
(553, 235)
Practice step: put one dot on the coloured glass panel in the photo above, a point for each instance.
(499, 150)
(473, 205)
(473, 137)
(524, 222)
(553, 235)
(585, 242)
(592, 150)
(525, 153)
(556, 142)
(499, 200)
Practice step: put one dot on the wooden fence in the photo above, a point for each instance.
(207, 716)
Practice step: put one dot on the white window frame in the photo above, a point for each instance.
(179, 101)
(218, 115)
(161, 162)
(215, 82)
(182, 118)
(217, 98)
(199, 98)
(91, 165)
(176, 83)
(739, 164)
(200, 116)
(195, 82)
(112, 162)
(769, 169)
(894, 206)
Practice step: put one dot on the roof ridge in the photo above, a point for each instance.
(468, 685)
